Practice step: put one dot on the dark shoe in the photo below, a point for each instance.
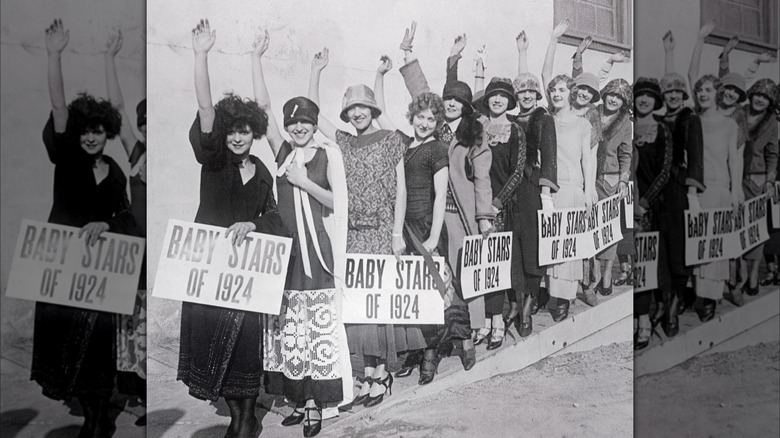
(387, 382)
(534, 305)
(495, 342)
(642, 339)
(430, 366)
(622, 279)
(141, 421)
(526, 324)
(734, 296)
(295, 418)
(605, 291)
(750, 291)
(770, 278)
(480, 338)
(313, 427)
(410, 363)
(705, 308)
(589, 296)
(561, 310)
(468, 357)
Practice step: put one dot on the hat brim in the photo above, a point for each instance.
(302, 119)
(594, 92)
(538, 93)
(375, 110)
(685, 93)
(659, 100)
(512, 99)
(467, 106)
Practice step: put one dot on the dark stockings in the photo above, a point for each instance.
(243, 422)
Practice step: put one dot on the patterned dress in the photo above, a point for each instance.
(370, 162)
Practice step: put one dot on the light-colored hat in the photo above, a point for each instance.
(359, 95)
(527, 82)
(674, 82)
(591, 81)
(737, 81)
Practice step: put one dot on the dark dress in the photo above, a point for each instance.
(219, 352)
(302, 362)
(73, 348)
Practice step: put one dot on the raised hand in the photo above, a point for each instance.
(262, 40)
(766, 57)
(731, 44)
(707, 28)
(320, 59)
(668, 41)
(481, 58)
(385, 66)
(561, 28)
(56, 37)
(584, 44)
(621, 56)
(458, 45)
(406, 44)
(203, 37)
(522, 41)
(114, 43)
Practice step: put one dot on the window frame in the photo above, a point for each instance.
(720, 37)
(625, 27)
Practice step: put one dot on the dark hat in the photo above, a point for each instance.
(461, 92)
(140, 112)
(502, 86)
(300, 109)
(649, 86)
(736, 81)
(590, 81)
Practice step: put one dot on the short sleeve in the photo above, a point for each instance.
(343, 138)
(395, 146)
(439, 156)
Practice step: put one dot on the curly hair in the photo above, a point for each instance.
(425, 101)
(237, 112)
(569, 84)
(87, 113)
(700, 84)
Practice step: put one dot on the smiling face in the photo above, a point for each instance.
(583, 96)
(239, 140)
(730, 96)
(360, 117)
(644, 103)
(498, 103)
(759, 103)
(673, 99)
(424, 123)
(453, 109)
(93, 140)
(527, 100)
(301, 133)
(559, 94)
(705, 95)
(613, 102)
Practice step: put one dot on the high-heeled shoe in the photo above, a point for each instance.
(410, 363)
(496, 340)
(604, 291)
(771, 276)
(313, 426)
(429, 367)
(734, 296)
(512, 321)
(750, 291)
(561, 310)
(642, 338)
(387, 382)
(483, 335)
(360, 399)
(525, 326)
(705, 308)
(468, 357)
(296, 417)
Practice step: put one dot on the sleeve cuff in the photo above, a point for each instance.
(497, 203)
(644, 204)
(692, 182)
(624, 177)
(487, 216)
(547, 183)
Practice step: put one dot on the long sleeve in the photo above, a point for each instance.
(694, 147)
(59, 145)
(209, 151)
(660, 181)
(771, 152)
(452, 68)
(548, 150)
(414, 79)
(624, 152)
(483, 193)
(507, 192)
(122, 221)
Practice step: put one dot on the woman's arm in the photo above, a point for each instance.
(669, 52)
(549, 57)
(693, 69)
(440, 179)
(298, 176)
(455, 55)
(522, 52)
(319, 62)
(723, 59)
(576, 59)
(56, 40)
(379, 92)
(517, 142)
(399, 213)
(663, 176)
(273, 134)
(479, 71)
(203, 39)
(735, 170)
(588, 169)
(126, 135)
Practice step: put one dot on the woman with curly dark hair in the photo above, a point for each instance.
(72, 347)
(220, 353)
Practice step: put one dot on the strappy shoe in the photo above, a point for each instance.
(642, 338)
(410, 363)
(313, 426)
(496, 338)
(623, 278)
(561, 309)
(296, 417)
(770, 279)
(387, 382)
(483, 335)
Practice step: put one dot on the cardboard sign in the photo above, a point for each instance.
(628, 204)
(486, 264)
(646, 263)
(52, 264)
(571, 234)
(775, 206)
(382, 290)
(200, 265)
(755, 229)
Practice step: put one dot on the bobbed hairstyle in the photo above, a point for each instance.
(234, 112)
(700, 84)
(425, 101)
(87, 113)
(570, 84)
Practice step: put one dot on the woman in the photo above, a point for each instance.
(303, 344)
(377, 203)
(652, 163)
(72, 347)
(576, 180)
(220, 353)
(723, 186)
(131, 333)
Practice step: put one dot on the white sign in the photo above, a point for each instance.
(755, 229)
(486, 264)
(628, 203)
(571, 234)
(200, 265)
(775, 206)
(646, 263)
(52, 264)
(383, 290)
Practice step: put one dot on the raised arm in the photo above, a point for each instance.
(126, 135)
(455, 55)
(56, 40)
(576, 59)
(479, 69)
(273, 134)
(669, 52)
(319, 62)
(693, 69)
(603, 74)
(750, 72)
(549, 57)
(203, 39)
(379, 92)
(406, 44)
(723, 59)
(522, 52)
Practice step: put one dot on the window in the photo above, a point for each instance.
(754, 21)
(608, 22)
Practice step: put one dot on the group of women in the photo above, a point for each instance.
(83, 353)
(464, 167)
(717, 154)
